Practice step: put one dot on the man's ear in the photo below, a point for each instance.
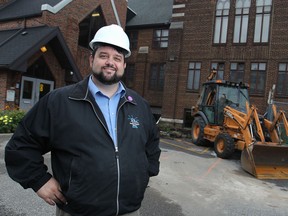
(91, 59)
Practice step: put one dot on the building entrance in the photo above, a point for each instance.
(32, 90)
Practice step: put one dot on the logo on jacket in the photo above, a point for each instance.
(134, 121)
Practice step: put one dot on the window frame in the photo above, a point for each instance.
(282, 79)
(258, 92)
(133, 37)
(89, 26)
(221, 23)
(159, 39)
(129, 75)
(159, 78)
(261, 14)
(244, 7)
(195, 69)
(237, 70)
(220, 69)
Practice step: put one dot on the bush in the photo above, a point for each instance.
(9, 120)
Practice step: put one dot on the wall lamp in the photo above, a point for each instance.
(43, 49)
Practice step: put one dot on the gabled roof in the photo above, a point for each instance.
(149, 12)
(18, 45)
(24, 8)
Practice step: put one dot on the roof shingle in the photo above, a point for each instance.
(24, 8)
(150, 12)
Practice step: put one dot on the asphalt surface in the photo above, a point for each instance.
(15, 201)
(192, 182)
(203, 184)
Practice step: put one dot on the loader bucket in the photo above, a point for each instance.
(266, 161)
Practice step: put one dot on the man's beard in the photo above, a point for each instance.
(112, 80)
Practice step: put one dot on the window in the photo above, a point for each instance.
(160, 38)
(133, 37)
(241, 21)
(219, 67)
(89, 26)
(157, 75)
(221, 21)
(193, 83)
(262, 21)
(128, 77)
(282, 87)
(237, 72)
(257, 78)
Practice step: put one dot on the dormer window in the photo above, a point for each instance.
(89, 26)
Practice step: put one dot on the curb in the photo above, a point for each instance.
(5, 137)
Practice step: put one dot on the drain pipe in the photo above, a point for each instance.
(115, 12)
(55, 8)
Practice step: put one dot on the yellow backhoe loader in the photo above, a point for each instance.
(224, 116)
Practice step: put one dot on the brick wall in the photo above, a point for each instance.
(3, 83)
(143, 63)
(196, 44)
(67, 19)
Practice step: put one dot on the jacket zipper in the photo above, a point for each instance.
(116, 151)
(118, 162)
(117, 158)
(118, 179)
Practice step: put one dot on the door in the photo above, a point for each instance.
(33, 89)
(209, 103)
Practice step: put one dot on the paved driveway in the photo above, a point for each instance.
(192, 182)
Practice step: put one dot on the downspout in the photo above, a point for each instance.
(55, 8)
(115, 12)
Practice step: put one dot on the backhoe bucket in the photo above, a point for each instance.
(266, 161)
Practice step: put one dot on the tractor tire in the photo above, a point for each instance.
(224, 145)
(197, 132)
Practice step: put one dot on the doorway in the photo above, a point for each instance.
(32, 90)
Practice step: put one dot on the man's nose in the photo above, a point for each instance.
(109, 62)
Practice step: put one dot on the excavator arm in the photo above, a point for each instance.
(278, 116)
(264, 160)
(267, 160)
(272, 126)
(244, 122)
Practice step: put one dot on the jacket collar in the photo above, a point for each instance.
(81, 92)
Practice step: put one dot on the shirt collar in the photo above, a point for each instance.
(95, 90)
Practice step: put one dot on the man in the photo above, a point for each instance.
(102, 137)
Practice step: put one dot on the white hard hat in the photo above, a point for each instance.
(114, 35)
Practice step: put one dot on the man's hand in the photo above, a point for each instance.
(51, 193)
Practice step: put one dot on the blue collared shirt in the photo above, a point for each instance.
(108, 106)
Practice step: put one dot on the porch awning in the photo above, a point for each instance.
(18, 45)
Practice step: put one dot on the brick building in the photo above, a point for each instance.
(174, 43)
(147, 26)
(44, 44)
(244, 40)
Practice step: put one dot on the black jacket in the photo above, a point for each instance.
(96, 178)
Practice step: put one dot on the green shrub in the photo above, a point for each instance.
(9, 120)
